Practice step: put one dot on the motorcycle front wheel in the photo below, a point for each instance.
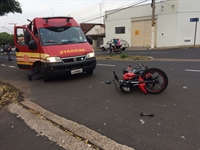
(157, 80)
(109, 50)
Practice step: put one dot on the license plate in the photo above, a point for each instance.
(76, 71)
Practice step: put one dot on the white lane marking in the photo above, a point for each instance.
(152, 52)
(106, 65)
(3, 65)
(191, 70)
(12, 66)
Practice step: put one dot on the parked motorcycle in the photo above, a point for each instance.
(149, 80)
(116, 49)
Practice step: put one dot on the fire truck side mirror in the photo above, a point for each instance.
(89, 39)
(32, 45)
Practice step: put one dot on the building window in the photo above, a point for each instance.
(119, 30)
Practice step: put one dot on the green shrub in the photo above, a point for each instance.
(111, 55)
(123, 56)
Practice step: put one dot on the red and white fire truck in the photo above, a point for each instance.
(54, 46)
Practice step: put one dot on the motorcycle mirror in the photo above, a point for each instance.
(108, 82)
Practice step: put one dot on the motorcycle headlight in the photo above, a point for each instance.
(53, 59)
(90, 55)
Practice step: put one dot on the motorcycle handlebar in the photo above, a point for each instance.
(141, 66)
(115, 76)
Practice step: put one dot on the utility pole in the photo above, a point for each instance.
(153, 23)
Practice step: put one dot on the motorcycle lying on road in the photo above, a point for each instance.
(149, 80)
(116, 49)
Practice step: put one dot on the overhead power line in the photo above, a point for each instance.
(45, 9)
(117, 10)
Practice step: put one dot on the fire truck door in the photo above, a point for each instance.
(27, 47)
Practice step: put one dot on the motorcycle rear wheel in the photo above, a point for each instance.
(159, 80)
(119, 51)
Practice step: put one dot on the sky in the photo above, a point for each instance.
(83, 11)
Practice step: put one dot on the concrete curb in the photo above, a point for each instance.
(43, 128)
(94, 137)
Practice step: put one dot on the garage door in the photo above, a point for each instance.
(141, 33)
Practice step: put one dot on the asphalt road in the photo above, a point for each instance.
(87, 100)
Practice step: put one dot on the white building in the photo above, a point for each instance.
(173, 27)
(95, 31)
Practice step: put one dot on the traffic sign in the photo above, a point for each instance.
(194, 19)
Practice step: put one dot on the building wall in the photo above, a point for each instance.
(141, 33)
(124, 18)
(97, 29)
(173, 27)
(185, 28)
(110, 30)
(167, 23)
(167, 30)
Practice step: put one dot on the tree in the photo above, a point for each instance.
(9, 6)
(6, 38)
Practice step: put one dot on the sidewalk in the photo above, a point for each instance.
(158, 48)
(129, 48)
(162, 48)
(137, 48)
(15, 134)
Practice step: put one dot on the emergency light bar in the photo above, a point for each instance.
(59, 17)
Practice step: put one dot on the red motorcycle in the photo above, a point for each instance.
(149, 80)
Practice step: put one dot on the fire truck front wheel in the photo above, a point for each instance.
(45, 76)
(90, 72)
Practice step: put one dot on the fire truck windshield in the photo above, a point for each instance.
(61, 35)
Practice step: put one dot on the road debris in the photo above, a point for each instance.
(182, 137)
(146, 114)
(184, 87)
(142, 121)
